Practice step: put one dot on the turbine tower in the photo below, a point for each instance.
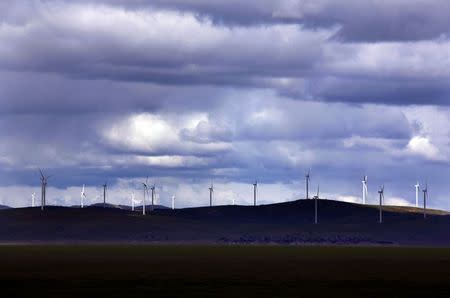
(255, 186)
(381, 193)
(83, 196)
(173, 202)
(104, 194)
(417, 186)
(133, 201)
(316, 198)
(145, 192)
(153, 196)
(211, 190)
(307, 179)
(364, 190)
(237, 198)
(425, 197)
(44, 181)
(33, 196)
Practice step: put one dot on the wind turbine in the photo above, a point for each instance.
(211, 190)
(238, 196)
(364, 190)
(133, 201)
(153, 196)
(145, 192)
(83, 196)
(425, 197)
(316, 198)
(381, 193)
(104, 194)
(44, 181)
(417, 186)
(307, 179)
(33, 196)
(255, 186)
(173, 202)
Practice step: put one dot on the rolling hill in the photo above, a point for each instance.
(283, 223)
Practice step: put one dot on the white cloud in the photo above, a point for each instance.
(158, 135)
(422, 146)
(348, 199)
(396, 201)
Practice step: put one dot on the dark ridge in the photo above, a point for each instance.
(124, 207)
(284, 223)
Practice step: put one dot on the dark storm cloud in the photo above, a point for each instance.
(94, 45)
(358, 20)
(381, 91)
(111, 90)
(49, 93)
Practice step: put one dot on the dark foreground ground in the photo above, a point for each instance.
(223, 271)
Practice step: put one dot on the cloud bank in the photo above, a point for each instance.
(186, 91)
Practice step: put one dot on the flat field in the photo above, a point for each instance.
(222, 271)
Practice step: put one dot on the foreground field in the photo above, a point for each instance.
(221, 271)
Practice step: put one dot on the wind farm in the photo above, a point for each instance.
(224, 148)
(294, 222)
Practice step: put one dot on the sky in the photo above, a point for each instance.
(189, 91)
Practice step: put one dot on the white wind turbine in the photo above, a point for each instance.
(307, 180)
(33, 196)
(425, 197)
(145, 193)
(255, 186)
(82, 197)
(238, 198)
(134, 201)
(364, 190)
(211, 191)
(316, 197)
(104, 194)
(173, 202)
(381, 193)
(152, 188)
(44, 182)
(417, 186)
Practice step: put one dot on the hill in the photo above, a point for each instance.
(284, 223)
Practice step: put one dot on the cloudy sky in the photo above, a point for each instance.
(185, 91)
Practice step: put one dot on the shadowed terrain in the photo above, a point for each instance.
(283, 223)
(223, 271)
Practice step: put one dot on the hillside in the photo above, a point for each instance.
(286, 223)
